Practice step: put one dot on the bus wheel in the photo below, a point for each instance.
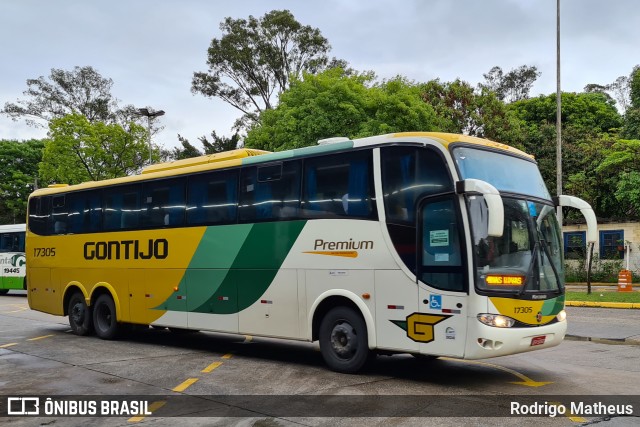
(343, 340)
(104, 317)
(4, 291)
(79, 315)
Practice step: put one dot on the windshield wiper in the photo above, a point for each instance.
(534, 258)
(545, 249)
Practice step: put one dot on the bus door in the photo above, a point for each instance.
(440, 323)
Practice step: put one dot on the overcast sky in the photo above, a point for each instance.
(151, 48)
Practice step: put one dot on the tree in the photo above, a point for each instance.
(78, 150)
(475, 112)
(512, 86)
(335, 103)
(590, 123)
(254, 60)
(217, 144)
(623, 161)
(18, 176)
(82, 90)
(631, 129)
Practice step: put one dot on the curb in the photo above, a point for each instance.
(624, 341)
(603, 304)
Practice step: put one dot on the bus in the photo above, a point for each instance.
(431, 244)
(12, 258)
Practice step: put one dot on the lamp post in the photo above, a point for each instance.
(558, 115)
(149, 114)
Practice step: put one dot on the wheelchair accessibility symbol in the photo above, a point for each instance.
(435, 301)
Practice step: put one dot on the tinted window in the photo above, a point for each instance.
(212, 198)
(12, 242)
(163, 203)
(270, 192)
(408, 174)
(339, 185)
(59, 214)
(39, 214)
(121, 207)
(85, 212)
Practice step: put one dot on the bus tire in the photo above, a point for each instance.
(343, 340)
(105, 322)
(79, 315)
(4, 291)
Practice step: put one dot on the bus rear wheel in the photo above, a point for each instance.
(343, 340)
(104, 317)
(79, 315)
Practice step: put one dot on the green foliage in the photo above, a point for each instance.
(588, 119)
(78, 150)
(335, 103)
(631, 129)
(622, 163)
(515, 85)
(254, 60)
(82, 90)
(464, 109)
(605, 271)
(218, 144)
(18, 175)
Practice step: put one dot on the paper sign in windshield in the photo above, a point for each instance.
(439, 238)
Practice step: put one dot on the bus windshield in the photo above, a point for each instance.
(527, 257)
(508, 174)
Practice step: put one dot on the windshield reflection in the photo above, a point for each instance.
(527, 257)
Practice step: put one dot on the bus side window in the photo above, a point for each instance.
(60, 215)
(121, 207)
(212, 198)
(85, 212)
(164, 203)
(5, 242)
(39, 215)
(270, 192)
(339, 185)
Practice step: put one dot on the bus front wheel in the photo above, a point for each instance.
(343, 340)
(104, 317)
(79, 315)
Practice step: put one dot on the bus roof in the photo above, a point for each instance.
(12, 228)
(246, 156)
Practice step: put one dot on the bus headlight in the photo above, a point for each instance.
(496, 320)
(562, 316)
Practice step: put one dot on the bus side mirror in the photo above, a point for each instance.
(587, 212)
(492, 198)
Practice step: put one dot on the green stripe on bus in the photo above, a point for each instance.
(261, 256)
(233, 266)
(552, 306)
(11, 282)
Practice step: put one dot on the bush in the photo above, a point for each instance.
(602, 270)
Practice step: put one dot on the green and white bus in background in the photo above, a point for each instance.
(12, 258)
(432, 244)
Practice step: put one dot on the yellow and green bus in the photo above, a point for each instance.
(12, 258)
(424, 243)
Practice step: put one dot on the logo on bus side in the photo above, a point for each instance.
(127, 249)
(419, 326)
(348, 248)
